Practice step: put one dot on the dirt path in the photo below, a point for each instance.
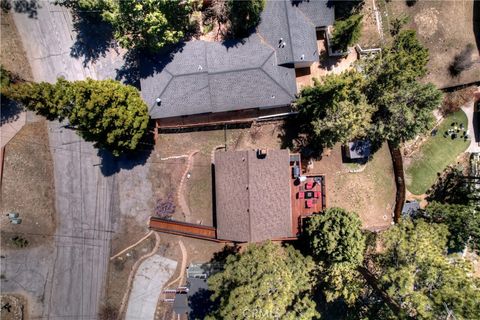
(181, 189)
(133, 245)
(132, 274)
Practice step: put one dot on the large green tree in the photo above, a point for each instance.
(416, 272)
(147, 24)
(109, 113)
(403, 105)
(335, 110)
(346, 32)
(267, 281)
(405, 112)
(337, 245)
(462, 221)
(335, 236)
(106, 112)
(244, 15)
(53, 101)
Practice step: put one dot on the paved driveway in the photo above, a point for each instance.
(85, 203)
(148, 283)
(73, 281)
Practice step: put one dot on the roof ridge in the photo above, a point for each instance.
(250, 232)
(288, 27)
(278, 84)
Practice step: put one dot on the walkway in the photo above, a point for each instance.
(147, 286)
(473, 129)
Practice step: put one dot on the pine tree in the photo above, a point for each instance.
(266, 281)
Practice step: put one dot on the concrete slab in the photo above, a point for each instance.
(148, 283)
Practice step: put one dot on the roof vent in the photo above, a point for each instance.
(261, 153)
(302, 57)
(200, 68)
(158, 101)
(273, 96)
(283, 44)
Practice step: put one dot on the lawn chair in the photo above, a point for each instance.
(309, 185)
(309, 203)
(316, 194)
(301, 195)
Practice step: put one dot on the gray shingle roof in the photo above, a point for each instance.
(205, 77)
(253, 196)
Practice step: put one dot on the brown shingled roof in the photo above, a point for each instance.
(253, 195)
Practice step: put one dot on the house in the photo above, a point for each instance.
(236, 81)
(258, 198)
(259, 195)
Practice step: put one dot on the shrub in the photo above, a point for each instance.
(346, 32)
(453, 101)
(462, 61)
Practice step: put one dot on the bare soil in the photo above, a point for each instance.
(445, 28)
(18, 305)
(12, 54)
(370, 193)
(119, 270)
(28, 187)
(199, 190)
(370, 36)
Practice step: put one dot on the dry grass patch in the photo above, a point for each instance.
(28, 187)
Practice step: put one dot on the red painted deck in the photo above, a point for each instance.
(183, 229)
(299, 208)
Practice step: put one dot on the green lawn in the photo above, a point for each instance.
(435, 155)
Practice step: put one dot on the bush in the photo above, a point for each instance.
(462, 61)
(20, 242)
(453, 101)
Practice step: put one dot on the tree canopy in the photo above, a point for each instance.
(405, 112)
(335, 236)
(266, 281)
(383, 100)
(335, 110)
(107, 112)
(147, 24)
(337, 245)
(462, 221)
(346, 32)
(244, 15)
(416, 272)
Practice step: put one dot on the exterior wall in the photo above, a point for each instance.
(212, 119)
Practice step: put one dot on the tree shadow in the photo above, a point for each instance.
(451, 187)
(201, 304)
(295, 136)
(10, 110)
(94, 37)
(111, 165)
(140, 64)
(29, 7)
(345, 8)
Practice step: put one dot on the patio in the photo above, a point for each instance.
(326, 65)
(307, 194)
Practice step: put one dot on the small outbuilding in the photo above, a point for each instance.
(410, 208)
(358, 151)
